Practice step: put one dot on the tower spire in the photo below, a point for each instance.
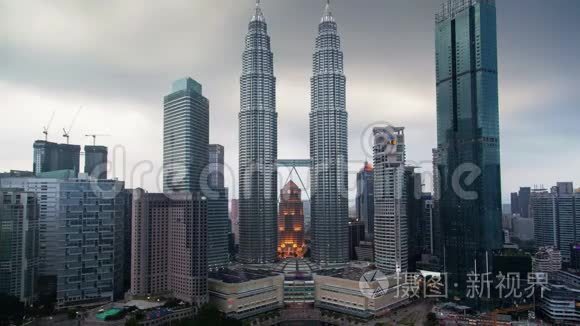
(258, 15)
(327, 17)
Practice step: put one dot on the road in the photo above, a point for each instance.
(413, 315)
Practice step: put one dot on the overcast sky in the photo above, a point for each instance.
(117, 59)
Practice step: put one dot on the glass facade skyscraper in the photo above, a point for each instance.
(185, 137)
(258, 147)
(218, 226)
(328, 147)
(468, 135)
(365, 199)
(81, 237)
(18, 244)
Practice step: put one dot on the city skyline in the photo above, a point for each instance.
(305, 162)
(406, 100)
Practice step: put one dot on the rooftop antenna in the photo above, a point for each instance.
(45, 128)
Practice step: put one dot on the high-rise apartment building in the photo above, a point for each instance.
(81, 237)
(328, 147)
(391, 230)
(543, 212)
(365, 200)
(556, 219)
(18, 244)
(565, 188)
(96, 161)
(468, 134)
(258, 152)
(169, 245)
(185, 137)
(547, 260)
(291, 222)
(218, 226)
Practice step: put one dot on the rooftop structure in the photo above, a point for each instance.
(243, 293)
(451, 8)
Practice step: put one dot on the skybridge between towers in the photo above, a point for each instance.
(292, 164)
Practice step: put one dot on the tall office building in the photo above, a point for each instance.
(468, 134)
(291, 222)
(428, 223)
(50, 156)
(258, 146)
(216, 166)
(365, 200)
(391, 245)
(128, 215)
(356, 235)
(235, 219)
(328, 147)
(436, 226)
(81, 237)
(524, 201)
(218, 225)
(515, 203)
(415, 223)
(307, 215)
(185, 136)
(169, 246)
(96, 161)
(18, 244)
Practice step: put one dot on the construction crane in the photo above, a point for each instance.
(45, 128)
(95, 137)
(66, 135)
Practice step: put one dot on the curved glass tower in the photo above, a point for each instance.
(328, 147)
(258, 147)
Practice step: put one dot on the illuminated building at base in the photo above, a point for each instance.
(291, 222)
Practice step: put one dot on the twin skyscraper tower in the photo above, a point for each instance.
(258, 147)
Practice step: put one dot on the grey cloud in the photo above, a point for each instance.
(131, 50)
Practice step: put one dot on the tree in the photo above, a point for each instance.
(431, 320)
(132, 322)
(210, 315)
(11, 310)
